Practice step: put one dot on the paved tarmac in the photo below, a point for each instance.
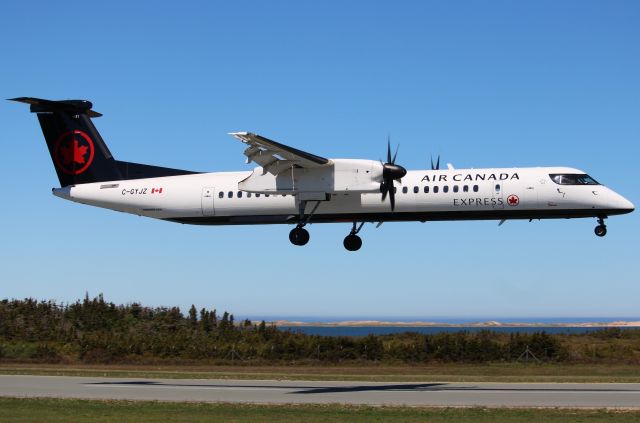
(609, 395)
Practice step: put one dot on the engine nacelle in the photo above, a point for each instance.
(338, 176)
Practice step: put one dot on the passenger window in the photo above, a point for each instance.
(221, 194)
(435, 189)
(257, 195)
(266, 195)
(497, 188)
(248, 195)
(239, 194)
(475, 188)
(455, 188)
(230, 194)
(465, 188)
(415, 190)
(405, 190)
(426, 189)
(445, 188)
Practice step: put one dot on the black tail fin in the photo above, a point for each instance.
(78, 151)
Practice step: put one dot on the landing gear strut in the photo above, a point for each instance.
(601, 229)
(299, 235)
(353, 242)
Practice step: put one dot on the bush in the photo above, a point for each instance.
(95, 331)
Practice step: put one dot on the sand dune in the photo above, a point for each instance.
(487, 324)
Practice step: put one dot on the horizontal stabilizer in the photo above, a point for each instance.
(39, 105)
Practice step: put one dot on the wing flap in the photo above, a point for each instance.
(275, 157)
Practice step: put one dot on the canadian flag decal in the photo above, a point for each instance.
(156, 190)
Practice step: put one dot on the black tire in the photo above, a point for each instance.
(600, 230)
(299, 236)
(352, 242)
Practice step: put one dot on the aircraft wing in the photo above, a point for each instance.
(275, 157)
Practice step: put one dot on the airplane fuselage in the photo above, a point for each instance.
(422, 195)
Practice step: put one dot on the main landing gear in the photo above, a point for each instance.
(601, 229)
(353, 242)
(299, 235)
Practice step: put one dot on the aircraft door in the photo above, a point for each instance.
(207, 201)
(529, 198)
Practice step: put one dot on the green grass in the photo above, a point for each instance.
(499, 372)
(71, 410)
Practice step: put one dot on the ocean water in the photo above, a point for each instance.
(449, 320)
(386, 330)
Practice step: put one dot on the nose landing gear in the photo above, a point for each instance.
(353, 242)
(601, 229)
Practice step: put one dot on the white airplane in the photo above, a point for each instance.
(298, 188)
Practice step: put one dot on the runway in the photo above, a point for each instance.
(609, 395)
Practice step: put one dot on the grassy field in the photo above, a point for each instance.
(69, 410)
(500, 372)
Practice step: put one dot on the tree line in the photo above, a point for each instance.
(93, 330)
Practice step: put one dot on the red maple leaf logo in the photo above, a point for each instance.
(73, 152)
(513, 200)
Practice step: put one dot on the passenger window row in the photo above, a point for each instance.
(435, 189)
(239, 194)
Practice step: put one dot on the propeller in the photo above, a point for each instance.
(390, 172)
(437, 166)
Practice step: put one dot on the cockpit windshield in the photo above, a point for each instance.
(573, 179)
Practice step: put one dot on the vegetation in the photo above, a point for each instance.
(93, 331)
(361, 371)
(70, 410)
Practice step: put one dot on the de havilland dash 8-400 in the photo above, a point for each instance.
(294, 187)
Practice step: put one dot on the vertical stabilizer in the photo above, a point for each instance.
(78, 152)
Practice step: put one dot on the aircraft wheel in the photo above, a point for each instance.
(299, 236)
(601, 230)
(352, 242)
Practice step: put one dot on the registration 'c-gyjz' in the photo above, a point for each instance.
(298, 188)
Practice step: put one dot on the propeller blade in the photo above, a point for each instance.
(390, 172)
(432, 168)
(392, 196)
(394, 156)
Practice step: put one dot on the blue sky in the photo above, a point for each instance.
(484, 84)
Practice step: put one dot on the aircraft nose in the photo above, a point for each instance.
(623, 204)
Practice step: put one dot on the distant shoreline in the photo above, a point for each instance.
(488, 324)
